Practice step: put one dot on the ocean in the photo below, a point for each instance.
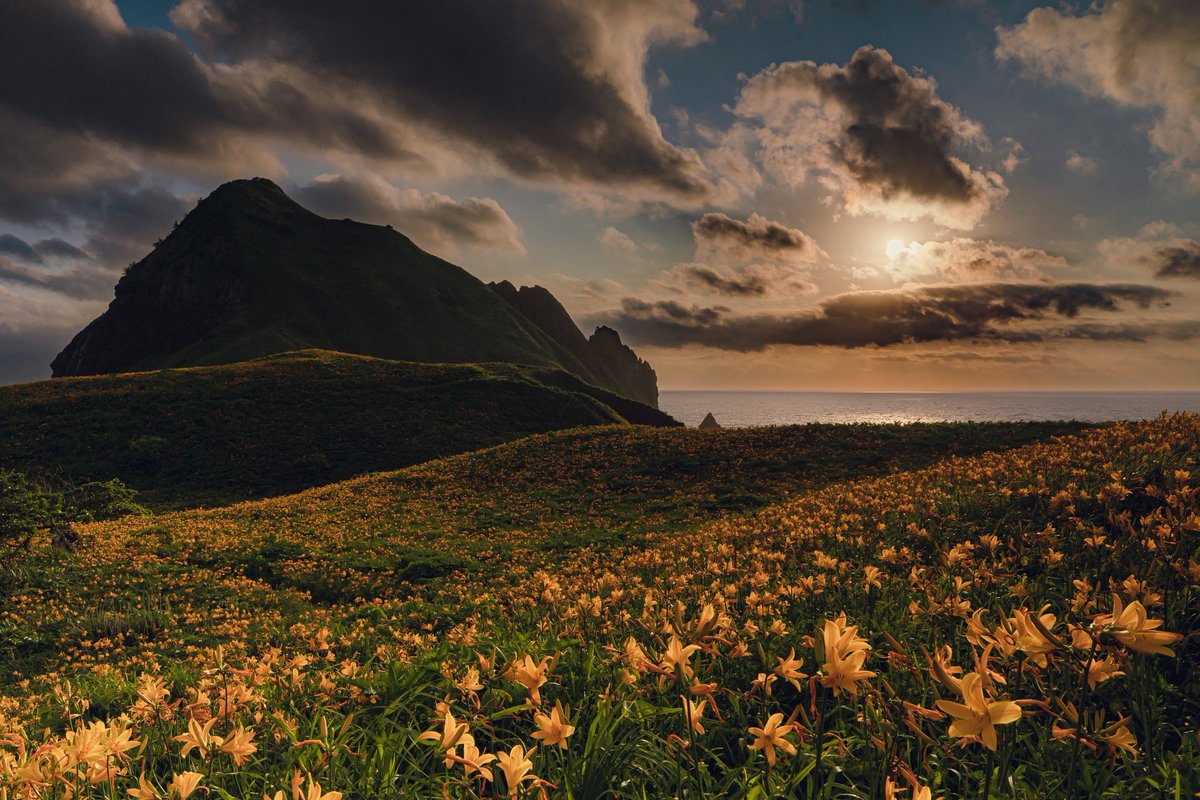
(741, 409)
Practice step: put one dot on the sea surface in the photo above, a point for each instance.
(740, 409)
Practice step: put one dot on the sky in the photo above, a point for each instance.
(936, 195)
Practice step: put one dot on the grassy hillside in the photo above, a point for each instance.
(586, 601)
(217, 435)
(499, 515)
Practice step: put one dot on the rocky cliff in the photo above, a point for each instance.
(611, 361)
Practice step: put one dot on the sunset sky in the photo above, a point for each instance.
(756, 194)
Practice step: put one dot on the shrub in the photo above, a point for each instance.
(101, 500)
(25, 508)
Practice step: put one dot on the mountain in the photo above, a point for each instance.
(286, 422)
(249, 272)
(605, 356)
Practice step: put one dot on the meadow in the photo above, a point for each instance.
(822, 611)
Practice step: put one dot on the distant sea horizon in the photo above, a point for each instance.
(738, 409)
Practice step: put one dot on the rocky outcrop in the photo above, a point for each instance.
(709, 423)
(613, 364)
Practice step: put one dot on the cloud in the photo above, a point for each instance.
(1077, 162)
(1016, 157)
(1158, 248)
(119, 220)
(878, 137)
(1135, 53)
(969, 260)
(1176, 331)
(747, 259)
(735, 285)
(1002, 312)
(550, 89)
(1178, 260)
(39, 164)
(755, 281)
(55, 247)
(720, 236)
(614, 239)
(17, 248)
(124, 219)
(86, 97)
(74, 66)
(434, 221)
(87, 282)
(737, 176)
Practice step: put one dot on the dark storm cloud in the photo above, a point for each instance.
(884, 131)
(549, 88)
(432, 220)
(862, 319)
(770, 258)
(899, 136)
(552, 90)
(74, 67)
(756, 238)
(1175, 260)
(82, 97)
(17, 248)
(38, 163)
(740, 285)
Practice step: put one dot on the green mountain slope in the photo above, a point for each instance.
(286, 422)
(249, 273)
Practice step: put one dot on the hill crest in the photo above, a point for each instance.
(288, 421)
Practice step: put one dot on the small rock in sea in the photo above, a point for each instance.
(709, 422)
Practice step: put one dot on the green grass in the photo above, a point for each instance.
(217, 435)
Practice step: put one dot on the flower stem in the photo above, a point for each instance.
(987, 775)
(819, 741)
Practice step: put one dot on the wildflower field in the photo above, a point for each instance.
(817, 612)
